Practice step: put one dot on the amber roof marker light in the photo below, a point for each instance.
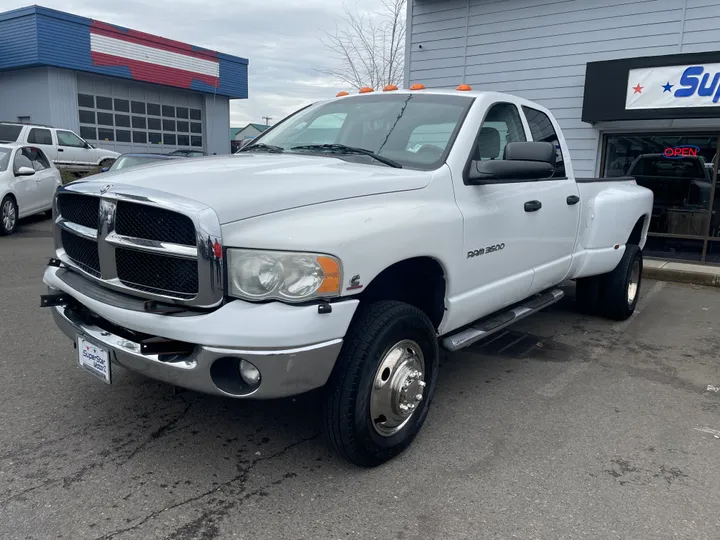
(366, 90)
(390, 88)
(342, 94)
(464, 88)
(417, 86)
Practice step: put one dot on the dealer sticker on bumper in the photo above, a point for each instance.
(94, 359)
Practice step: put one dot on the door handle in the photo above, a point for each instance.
(60, 150)
(533, 206)
(572, 199)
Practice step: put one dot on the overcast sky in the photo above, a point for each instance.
(280, 38)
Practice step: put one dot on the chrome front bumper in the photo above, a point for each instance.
(283, 372)
(293, 347)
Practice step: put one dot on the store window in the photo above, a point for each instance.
(680, 170)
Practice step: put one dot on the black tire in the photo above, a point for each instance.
(9, 226)
(347, 422)
(587, 295)
(616, 299)
(48, 214)
(107, 163)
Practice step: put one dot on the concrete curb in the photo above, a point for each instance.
(708, 279)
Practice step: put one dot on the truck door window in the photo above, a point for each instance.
(501, 126)
(68, 138)
(542, 130)
(39, 136)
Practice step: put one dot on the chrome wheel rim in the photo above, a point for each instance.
(8, 215)
(398, 388)
(634, 283)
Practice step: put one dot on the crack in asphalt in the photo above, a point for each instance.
(225, 505)
(159, 432)
(77, 476)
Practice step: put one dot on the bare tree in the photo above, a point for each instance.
(369, 48)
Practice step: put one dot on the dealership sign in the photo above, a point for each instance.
(673, 87)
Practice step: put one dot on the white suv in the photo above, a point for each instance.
(63, 147)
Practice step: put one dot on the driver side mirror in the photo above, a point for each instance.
(25, 171)
(522, 162)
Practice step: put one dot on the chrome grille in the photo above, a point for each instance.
(154, 224)
(83, 252)
(155, 249)
(157, 273)
(80, 209)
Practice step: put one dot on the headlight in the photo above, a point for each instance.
(294, 277)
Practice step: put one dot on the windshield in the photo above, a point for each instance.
(4, 158)
(414, 130)
(123, 162)
(9, 132)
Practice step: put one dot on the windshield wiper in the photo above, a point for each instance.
(262, 146)
(343, 149)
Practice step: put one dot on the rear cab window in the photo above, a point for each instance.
(9, 132)
(542, 130)
(40, 136)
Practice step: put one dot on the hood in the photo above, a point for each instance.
(248, 185)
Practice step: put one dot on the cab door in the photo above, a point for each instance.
(556, 228)
(499, 237)
(75, 150)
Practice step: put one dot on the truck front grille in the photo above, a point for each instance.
(157, 273)
(140, 248)
(80, 209)
(154, 224)
(82, 251)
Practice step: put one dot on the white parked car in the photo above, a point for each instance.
(28, 181)
(432, 219)
(63, 147)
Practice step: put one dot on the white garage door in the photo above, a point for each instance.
(134, 117)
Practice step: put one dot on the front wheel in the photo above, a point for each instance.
(379, 394)
(620, 289)
(8, 216)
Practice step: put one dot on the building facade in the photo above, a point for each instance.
(117, 88)
(634, 84)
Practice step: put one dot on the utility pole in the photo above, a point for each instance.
(267, 119)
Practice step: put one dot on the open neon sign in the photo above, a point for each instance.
(677, 152)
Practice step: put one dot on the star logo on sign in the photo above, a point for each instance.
(638, 89)
(667, 87)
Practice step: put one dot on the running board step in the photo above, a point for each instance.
(484, 327)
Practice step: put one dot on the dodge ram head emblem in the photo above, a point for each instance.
(105, 189)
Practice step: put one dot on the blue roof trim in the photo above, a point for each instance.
(39, 36)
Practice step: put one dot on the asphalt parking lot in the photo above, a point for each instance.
(566, 427)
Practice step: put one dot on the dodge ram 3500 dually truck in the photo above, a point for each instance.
(342, 249)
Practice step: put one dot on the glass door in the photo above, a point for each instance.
(681, 171)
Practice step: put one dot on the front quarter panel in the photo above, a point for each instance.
(368, 234)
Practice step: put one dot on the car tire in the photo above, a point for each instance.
(8, 216)
(587, 295)
(390, 357)
(48, 214)
(106, 163)
(620, 289)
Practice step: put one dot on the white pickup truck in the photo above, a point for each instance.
(63, 147)
(342, 249)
